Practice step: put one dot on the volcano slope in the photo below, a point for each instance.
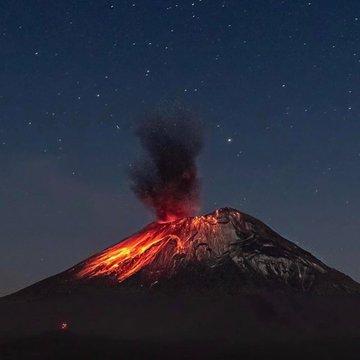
(177, 288)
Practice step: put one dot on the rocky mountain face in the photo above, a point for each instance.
(225, 250)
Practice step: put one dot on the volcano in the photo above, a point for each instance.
(226, 250)
(214, 286)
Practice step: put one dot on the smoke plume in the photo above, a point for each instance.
(166, 180)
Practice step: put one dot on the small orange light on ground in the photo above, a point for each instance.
(64, 326)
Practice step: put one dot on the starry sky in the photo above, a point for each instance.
(276, 84)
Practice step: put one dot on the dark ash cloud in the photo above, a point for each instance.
(166, 180)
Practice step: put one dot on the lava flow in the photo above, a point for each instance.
(164, 242)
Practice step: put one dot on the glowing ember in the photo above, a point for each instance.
(64, 326)
(163, 241)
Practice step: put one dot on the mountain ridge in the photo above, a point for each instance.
(227, 247)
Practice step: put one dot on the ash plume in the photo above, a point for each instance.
(166, 180)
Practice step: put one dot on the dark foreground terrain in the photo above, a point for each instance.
(118, 324)
(71, 346)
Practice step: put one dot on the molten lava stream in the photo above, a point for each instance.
(130, 256)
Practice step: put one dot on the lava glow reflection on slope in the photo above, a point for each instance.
(136, 252)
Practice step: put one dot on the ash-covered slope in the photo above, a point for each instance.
(225, 250)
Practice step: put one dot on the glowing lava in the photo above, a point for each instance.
(163, 241)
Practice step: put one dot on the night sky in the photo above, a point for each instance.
(275, 83)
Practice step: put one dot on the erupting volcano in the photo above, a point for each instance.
(209, 283)
(225, 240)
(225, 249)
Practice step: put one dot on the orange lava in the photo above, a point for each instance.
(138, 251)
